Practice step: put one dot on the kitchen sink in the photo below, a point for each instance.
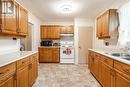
(120, 55)
(127, 59)
(114, 54)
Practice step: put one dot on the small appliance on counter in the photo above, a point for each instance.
(47, 43)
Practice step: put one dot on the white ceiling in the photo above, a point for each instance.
(46, 10)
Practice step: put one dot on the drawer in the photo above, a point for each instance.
(7, 71)
(107, 60)
(23, 62)
(122, 67)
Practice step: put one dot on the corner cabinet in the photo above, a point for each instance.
(107, 24)
(14, 24)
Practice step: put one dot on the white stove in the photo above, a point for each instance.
(67, 52)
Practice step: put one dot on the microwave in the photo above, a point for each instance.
(46, 43)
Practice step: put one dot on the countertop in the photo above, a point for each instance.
(6, 59)
(103, 52)
(49, 47)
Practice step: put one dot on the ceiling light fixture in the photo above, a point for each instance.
(66, 8)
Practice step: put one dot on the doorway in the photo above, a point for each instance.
(26, 43)
(85, 42)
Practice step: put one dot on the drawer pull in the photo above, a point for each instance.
(1, 74)
(23, 62)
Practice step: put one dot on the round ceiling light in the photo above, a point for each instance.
(66, 8)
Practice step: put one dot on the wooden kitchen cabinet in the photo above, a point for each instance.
(14, 24)
(50, 32)
(56, 55)
(9, 22)
(101, 68)
(107, 24)
(33, 69)
(121, 75)
(106, 76)
(109, 72)
(23, 73)
(94, 64)
(49, 55)
(7, 76)
(67, 29)
(23, 21)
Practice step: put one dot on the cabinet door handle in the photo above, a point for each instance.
(1, 74)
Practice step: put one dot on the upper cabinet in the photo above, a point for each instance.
(67, 30)
(50, 32)
(107, 24)
(9, 21)
(13, 20)
(23, 21)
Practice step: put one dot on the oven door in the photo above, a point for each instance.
(66, 52)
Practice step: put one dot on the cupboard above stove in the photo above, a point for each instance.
(55, 31)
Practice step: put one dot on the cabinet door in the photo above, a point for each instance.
(45, 55)
(92, 69)
(23, 77)
(56, 55)
(70, 29)
(96, 66)
(105, 24)
(10, 82)
(10, 20)
(63, 30)
(23, 21)
(43, 32)
(32, 72)
(106, 77)
(99, 27)
(56, 32)
(121, 80)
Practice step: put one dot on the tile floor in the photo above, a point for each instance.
(62, 75)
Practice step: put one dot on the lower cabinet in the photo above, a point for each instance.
(121, 80)
(9, 82)
(51, 55)
(23, 77)
(106, 76)
(121, 74)
(7, 76)
(22, 73)
(109, 72)
(33, 68)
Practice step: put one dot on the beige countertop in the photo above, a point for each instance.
(103, 52)
(6, 59)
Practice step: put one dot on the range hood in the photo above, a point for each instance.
(66, 35)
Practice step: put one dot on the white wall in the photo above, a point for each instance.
(80, 22)
(8, 45)
(36, 30)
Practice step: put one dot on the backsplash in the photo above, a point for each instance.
(8, 45)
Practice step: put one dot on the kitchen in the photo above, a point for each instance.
(87, 46)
